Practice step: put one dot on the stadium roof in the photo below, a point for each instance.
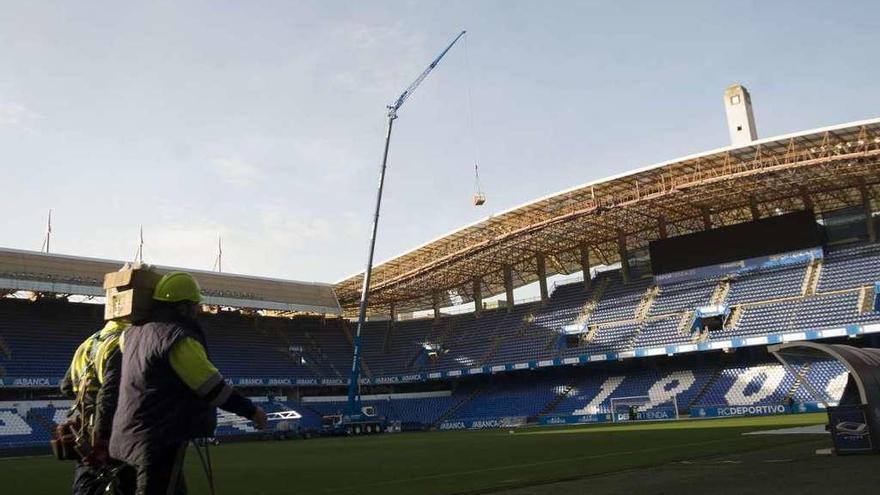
(826, 169)
(60, 274)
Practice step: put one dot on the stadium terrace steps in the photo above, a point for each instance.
(698, 396)
(802, 373)
(597, 292)
(719, 294)
(561, 395)
(42, 418)
(646, 302)
(866, 299)
(825, 378)
(461, 402)
(811, 279)
(736, 314)
(685, 322)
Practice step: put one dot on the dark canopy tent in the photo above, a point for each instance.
(862, 392)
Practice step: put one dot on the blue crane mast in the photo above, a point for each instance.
(353, 409)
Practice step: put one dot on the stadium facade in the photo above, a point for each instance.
(685, 330)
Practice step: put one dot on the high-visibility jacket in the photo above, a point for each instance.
(94, 360)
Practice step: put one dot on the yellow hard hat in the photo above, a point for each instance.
(176, 287)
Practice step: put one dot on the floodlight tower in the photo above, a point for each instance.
(354, 403)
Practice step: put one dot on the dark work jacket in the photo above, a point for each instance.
(108, 396)
(156, 408)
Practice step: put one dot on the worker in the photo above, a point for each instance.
(93, 381)
(170, 389)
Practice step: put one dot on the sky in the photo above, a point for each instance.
(263, 122)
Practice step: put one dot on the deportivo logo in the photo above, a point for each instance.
(751, 410)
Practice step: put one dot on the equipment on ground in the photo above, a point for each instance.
(228, 418)
(354, 406)
(364, 422)
(202, 444)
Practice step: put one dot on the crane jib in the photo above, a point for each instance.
(353, 405)
(412, 87)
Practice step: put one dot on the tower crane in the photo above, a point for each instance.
(354, 403)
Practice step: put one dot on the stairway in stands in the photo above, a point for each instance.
(308, 362)
(561, 396)
(590, 304)
(719, 295)
(455, 407)
(686, 322)
(647, 301)
(41, 420)
(736, 314)
(798, 382)
(811, 278)
(711, 381)
(866, 299)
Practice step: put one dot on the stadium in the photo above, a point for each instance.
(674, 284)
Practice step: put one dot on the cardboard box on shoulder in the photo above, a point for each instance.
(130, 292)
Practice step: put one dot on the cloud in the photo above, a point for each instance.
(304, 229)
(16, 115)
(274, 243)
(378, 57)
(237, 172)
(190, 245)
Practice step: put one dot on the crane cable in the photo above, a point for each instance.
(478, 190)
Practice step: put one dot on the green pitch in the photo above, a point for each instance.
(677, 455)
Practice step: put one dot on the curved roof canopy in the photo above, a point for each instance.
(60, 274)
(825, 169)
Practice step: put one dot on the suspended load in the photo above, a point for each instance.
(479, 196)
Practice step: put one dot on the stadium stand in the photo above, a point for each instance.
(39, 337)
(851, 266)
(42, 336)
(580, 392)
(760, 384)
(767, 301)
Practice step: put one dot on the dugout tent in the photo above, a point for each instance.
(862, 392)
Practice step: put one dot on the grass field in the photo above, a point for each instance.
(667, 457)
